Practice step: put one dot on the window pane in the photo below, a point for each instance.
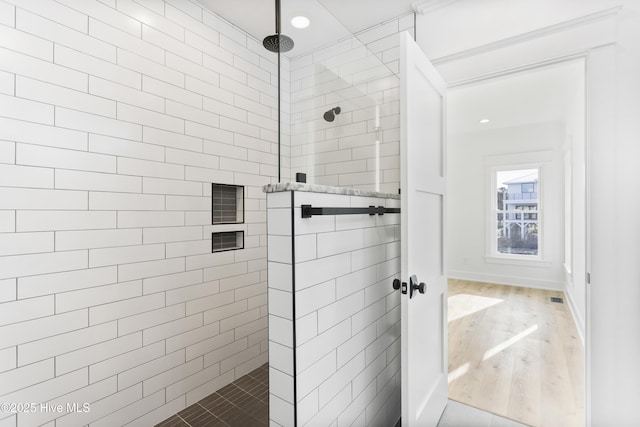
(516, 237)
(517, 217)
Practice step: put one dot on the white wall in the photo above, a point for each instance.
(347, 315)
(470, 158)
(613, 297)
(114, 121)
(614, 249)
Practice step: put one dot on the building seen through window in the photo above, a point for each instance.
(517, 213)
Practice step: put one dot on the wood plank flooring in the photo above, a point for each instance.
(514, 353)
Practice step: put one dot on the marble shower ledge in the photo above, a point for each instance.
(314, 188)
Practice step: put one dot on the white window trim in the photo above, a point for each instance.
(532, 160)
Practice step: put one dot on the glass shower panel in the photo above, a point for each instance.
(284, 120)
(340, 125)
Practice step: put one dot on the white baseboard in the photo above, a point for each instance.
(499, 279)
(577, 318)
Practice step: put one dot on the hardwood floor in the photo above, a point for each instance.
(514, 353)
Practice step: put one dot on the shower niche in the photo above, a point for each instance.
(227, 208)
(227, 204)
(227, 241)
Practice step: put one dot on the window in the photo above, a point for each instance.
(517, 212)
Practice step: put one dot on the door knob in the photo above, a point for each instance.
(414, 286)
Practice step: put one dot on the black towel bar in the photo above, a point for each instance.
(308, 211)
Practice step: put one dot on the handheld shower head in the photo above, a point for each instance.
(331, 114)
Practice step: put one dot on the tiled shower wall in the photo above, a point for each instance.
(346, 357)
(115, 118)
(361, 148)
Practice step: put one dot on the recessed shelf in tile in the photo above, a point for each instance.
(227, 241)
(227, 204)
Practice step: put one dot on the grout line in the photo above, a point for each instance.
(293, 310)
(183, 420)
(214, 415)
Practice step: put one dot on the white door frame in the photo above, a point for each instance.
(533, 67)
(592, 37)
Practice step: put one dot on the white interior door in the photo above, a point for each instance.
(424, 315)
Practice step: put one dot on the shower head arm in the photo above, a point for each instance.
(278, 42)
(278, 17)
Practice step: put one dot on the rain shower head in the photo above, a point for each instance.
(278, 42)
(331, 114)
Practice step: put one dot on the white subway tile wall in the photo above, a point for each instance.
(281, 367)
(347, 314)
(115, 117)
(361, 147)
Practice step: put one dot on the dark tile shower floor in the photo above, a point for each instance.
(244, 402)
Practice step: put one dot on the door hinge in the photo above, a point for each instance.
(588, 278)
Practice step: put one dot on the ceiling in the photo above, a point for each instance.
(331, 20)
(529, 97)
(351, 12)
(543, 95)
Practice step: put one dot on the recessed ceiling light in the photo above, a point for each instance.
(484, 121)
(300, 22)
